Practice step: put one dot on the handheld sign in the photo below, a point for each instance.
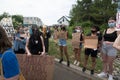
(91, 42)
(36, 67)
(62, 35)
(55, 35)
(76, 40)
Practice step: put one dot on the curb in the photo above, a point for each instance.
(78, 70)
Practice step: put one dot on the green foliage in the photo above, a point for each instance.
(54, 51)
(103, 27)
(70, 30)
(96, 11)
(17, 20)
(5, 14)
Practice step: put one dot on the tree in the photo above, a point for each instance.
(95, 11)
(17, 20)
(5, 14)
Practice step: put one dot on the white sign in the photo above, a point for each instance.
(118, 20)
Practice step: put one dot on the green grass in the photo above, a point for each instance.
(54, 51)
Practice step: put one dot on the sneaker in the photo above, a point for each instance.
(84, 69)
(102, 75)
(75, 62)
(110, 77)
(92, 72)
(60, 60)
(78, 63)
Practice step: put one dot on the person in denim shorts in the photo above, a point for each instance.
(63, 47)
(108, 51)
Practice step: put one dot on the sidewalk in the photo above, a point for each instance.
(78, 70)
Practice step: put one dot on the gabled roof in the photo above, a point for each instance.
(64, 18)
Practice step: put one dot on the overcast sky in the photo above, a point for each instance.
(48, 10)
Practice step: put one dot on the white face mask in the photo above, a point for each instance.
(78, 30)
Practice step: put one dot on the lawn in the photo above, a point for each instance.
(54, 51)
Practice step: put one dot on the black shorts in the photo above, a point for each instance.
(91, 52)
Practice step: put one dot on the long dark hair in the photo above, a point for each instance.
(5, 42)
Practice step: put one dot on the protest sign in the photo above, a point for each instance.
(118, 20)
(91, 42)
(76, 40)
(55, 35)
(62, 35)
(36, 67)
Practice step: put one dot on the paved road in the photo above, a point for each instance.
(62, 72)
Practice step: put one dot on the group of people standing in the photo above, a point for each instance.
(31, 40)
(105, 46)
(36, 42)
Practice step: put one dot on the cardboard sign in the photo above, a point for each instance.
(91, 42)
(62, 35)
(76, 40)
(36, 67)
(55, 35)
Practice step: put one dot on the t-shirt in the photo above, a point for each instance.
(10, 64)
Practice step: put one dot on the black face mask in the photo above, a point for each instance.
(93, 31)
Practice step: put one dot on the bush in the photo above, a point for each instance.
(70, 30)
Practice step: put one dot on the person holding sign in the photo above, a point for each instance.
(77, 39)
(63, 34)
(91, 43)
(108, 51)
(35, 43)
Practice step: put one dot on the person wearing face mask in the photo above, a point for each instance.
(108, 51)
(77, 51)
(92, 52)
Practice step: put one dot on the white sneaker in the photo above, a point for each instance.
(102, 75)
(75, 62)
(78, 63)
(110, 77)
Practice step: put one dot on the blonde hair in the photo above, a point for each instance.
(5, 42)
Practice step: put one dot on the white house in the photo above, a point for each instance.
(32, 21)
(64, 20)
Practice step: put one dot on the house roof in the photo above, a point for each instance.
(67, 18)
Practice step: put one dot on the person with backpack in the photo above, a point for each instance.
(35, 43)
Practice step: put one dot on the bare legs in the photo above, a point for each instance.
(108, 63)
(64, 49)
